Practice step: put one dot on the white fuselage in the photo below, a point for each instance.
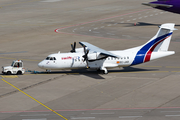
(75, 61)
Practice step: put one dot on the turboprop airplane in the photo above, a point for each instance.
(167, 5)
(92, 57)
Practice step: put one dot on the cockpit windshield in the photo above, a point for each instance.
(50, 58)
(13, 63)
(16, 64)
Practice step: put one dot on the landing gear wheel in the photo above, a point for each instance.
(48, 71)
(103, 70)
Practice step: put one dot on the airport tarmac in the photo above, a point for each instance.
(30, 30)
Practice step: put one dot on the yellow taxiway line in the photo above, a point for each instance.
(9, 76)
(34, 99)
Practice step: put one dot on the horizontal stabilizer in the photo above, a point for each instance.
(157, 5)
(168, 26)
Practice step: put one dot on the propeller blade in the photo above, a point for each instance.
(85, 56)
(73, 47)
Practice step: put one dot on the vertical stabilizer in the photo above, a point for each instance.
(159, 43)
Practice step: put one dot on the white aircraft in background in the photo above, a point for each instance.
(92, 57)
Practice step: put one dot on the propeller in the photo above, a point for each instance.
(85, 56)
(73, 47)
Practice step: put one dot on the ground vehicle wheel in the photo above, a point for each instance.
(8, 73)
(19, 73)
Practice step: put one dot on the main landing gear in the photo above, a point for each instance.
(103, 70)
(48, 71)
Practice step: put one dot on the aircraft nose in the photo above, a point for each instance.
(40, 64)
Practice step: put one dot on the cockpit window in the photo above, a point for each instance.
(50, 58)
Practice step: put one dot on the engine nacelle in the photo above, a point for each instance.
(79, 50)
(94, 56)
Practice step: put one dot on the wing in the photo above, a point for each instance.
(157, 5)
(93, 48)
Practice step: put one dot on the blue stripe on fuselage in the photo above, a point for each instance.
(139, 58)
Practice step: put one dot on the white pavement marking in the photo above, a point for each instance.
(36, 115)
(51, 0)
(172, 115)
(82, 117)
(130, 116)
(103, 113)
(110, 33)
(95, 32)
(170, 111)
(74, 29)
(36, 119)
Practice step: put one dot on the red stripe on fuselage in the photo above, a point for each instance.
(148, 54)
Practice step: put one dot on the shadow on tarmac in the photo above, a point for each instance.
(94, 73)
(136, 24)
